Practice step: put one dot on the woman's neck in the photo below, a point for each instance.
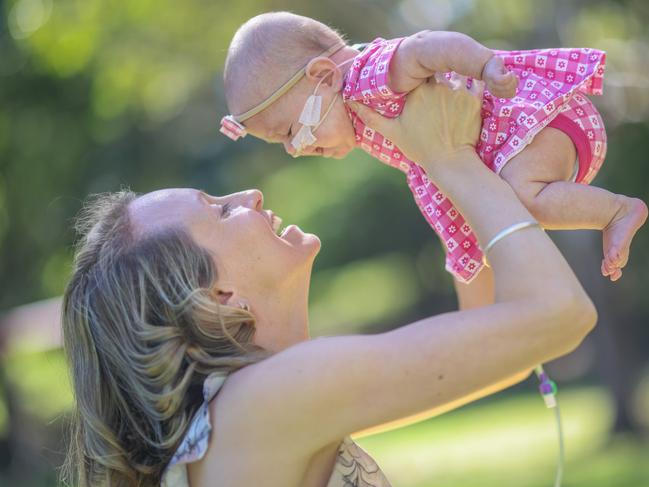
(282, 318)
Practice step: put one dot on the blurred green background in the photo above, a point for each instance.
(100, 94)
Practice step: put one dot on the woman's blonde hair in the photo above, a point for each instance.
(142, 329)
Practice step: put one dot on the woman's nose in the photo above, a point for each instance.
(254, 199)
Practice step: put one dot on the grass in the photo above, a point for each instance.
(512, 441)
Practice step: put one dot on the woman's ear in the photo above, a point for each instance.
(323, 68)
(230, 298)
(222, 296)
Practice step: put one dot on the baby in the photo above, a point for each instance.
(290, 80)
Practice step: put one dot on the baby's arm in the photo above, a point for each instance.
(421, 55)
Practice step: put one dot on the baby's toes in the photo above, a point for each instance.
(616, 274)
(613, 258)
(605, 269)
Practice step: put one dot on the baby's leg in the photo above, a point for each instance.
(540, 177)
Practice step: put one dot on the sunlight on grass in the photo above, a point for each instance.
(509, 441)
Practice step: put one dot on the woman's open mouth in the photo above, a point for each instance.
(276, 224)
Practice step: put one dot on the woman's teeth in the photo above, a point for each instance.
(277, 225)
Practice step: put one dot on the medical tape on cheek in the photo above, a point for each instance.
(310, 117)
(311, 112)
(303, 138)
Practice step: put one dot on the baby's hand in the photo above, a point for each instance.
(501, 82)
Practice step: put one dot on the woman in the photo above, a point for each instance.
(178, 295)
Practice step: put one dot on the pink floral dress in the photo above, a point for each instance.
(551, 92)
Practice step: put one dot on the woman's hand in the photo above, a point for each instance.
(438, 122)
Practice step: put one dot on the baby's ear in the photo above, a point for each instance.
(323, 67)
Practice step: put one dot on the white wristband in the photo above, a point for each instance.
(503, 233)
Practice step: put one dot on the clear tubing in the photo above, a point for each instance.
(548, 390)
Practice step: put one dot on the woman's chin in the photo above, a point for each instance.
(311, 243)
(296, 237)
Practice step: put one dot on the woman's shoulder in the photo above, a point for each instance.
(225, 437)
(216, 434)
(237, 439)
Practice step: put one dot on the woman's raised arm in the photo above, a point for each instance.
(319, 391)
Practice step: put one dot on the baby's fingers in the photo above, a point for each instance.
(504, 86)
(512, 80)
(505, 79)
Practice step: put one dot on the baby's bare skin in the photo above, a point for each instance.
(539, 176)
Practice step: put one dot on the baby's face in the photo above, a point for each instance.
(279, 123)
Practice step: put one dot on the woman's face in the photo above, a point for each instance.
(251, 258)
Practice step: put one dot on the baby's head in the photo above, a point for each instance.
(264, 54)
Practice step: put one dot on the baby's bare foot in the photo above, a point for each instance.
(619, 233)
